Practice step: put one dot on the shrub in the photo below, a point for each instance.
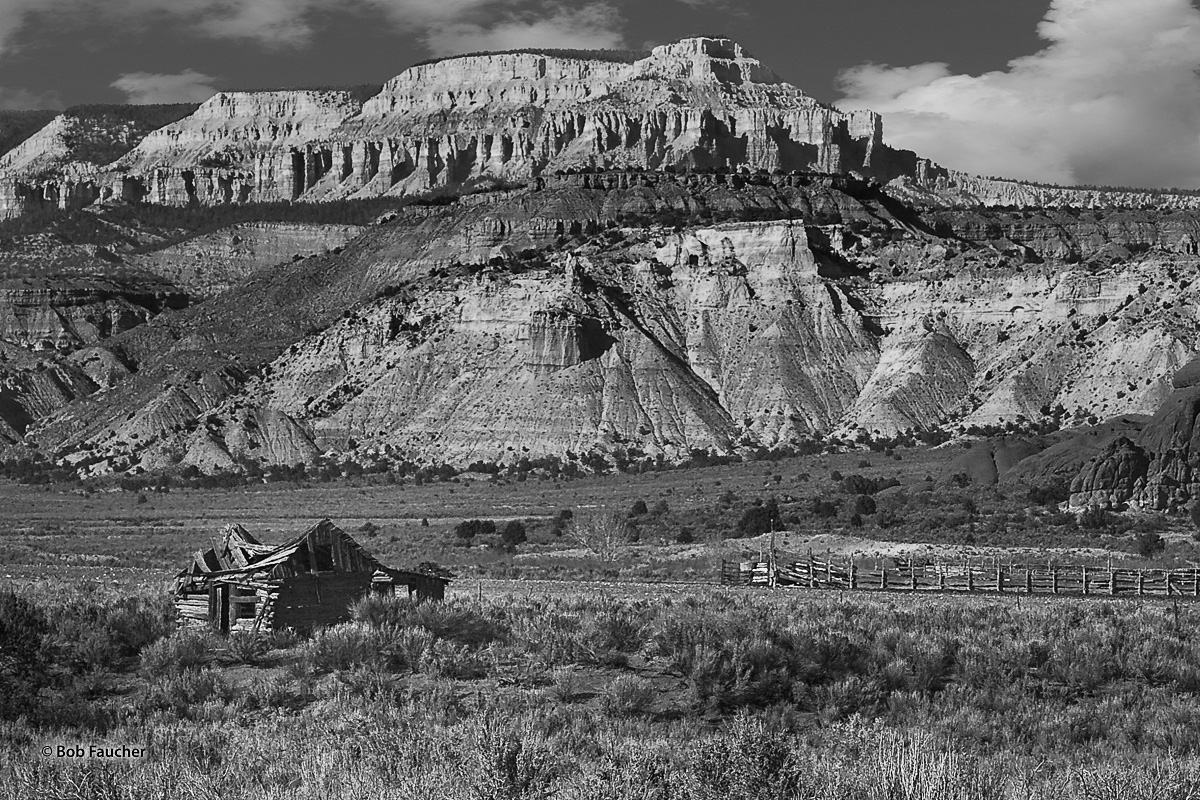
(1095, 518)
(513, 534)
(1051, 493)
(246, 647)
(617, 629)
(639, 509)
(182, 651)
(863, 505)
(627, 695)
(379, 610)
(760, 519)
(23, 630)
(823, 509)
(1149, 544)
(468, 529)
(604, 535)
(447, 659)
(458, 623)
(345, 646)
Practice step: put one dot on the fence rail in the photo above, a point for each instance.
(918, 576)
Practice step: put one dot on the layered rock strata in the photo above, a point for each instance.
(567, 320)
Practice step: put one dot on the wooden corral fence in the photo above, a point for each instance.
(963, 576)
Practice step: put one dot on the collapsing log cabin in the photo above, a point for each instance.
(312, 580)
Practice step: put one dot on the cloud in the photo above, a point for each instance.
(591, 27)
(1112, 99)
(186, 87)
(25, 100)
(280, 23)
(291, 23)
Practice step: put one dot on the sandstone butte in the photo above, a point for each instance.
(835, 286)
(698, 103)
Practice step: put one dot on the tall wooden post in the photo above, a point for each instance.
(912, 574)
(1085, 586)
(853, 573)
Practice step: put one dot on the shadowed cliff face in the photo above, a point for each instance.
(566, 320)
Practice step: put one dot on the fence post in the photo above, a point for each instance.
(1028, 580)
(912, 574)
(1054, 579)
(999, 579)
(882, 574)
(1141, 583)
(970, 577)
(853, 573)
(1085, 586)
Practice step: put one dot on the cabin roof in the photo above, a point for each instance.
(323, 547)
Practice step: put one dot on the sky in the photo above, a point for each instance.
(1068, 91)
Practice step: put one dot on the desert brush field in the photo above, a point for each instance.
(550, 671)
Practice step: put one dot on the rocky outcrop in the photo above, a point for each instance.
(60, 166)
(237, 147)
(1159, 468)
(1117, 475)
(210, 263)
(65, 315)
(936, 187)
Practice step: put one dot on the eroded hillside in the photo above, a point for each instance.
(647, 313)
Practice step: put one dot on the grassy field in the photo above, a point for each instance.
(550, 672)
(636, 692)
(693, 518)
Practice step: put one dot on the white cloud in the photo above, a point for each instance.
(1112, 99)
(188, 86)
(591, 27)
(274, 22)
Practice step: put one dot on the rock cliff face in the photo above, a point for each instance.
(211, 263)
(459, 123)
(696, 103)
(568, 320)
(950, 188)
(699, 103)
(61, 165)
